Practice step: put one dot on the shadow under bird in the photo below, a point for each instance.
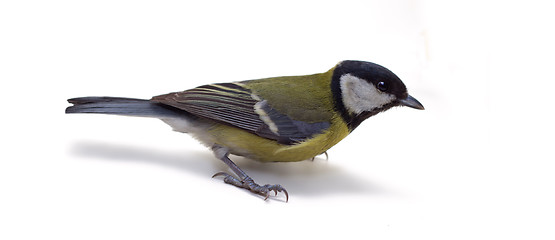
(280, 119)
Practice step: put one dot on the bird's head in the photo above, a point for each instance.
(363, 89)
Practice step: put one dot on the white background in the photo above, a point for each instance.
(476, 164)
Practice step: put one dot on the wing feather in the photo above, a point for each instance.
(235, 105)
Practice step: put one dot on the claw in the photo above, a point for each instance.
(220, 174)
(325, 153)
(278, 188)
(286, 195)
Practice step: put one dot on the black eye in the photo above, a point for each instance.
(382, 86)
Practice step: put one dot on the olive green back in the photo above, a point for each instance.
(305, 98)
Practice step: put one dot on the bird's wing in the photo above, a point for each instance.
(235, 105)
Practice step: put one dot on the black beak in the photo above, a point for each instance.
(411, 102)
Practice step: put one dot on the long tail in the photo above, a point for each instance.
(123, 106)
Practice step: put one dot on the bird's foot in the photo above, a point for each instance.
(249, 184)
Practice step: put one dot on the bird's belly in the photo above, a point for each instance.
(243, 143)
(249, 145)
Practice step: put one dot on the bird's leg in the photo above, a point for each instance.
(243, 180)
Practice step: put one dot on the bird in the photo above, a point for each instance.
(277, 119)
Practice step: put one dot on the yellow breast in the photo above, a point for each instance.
(245, 144)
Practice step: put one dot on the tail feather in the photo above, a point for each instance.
(123, 106)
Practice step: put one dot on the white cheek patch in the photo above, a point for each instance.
(360, 95)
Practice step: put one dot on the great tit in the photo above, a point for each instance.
(280, 119)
